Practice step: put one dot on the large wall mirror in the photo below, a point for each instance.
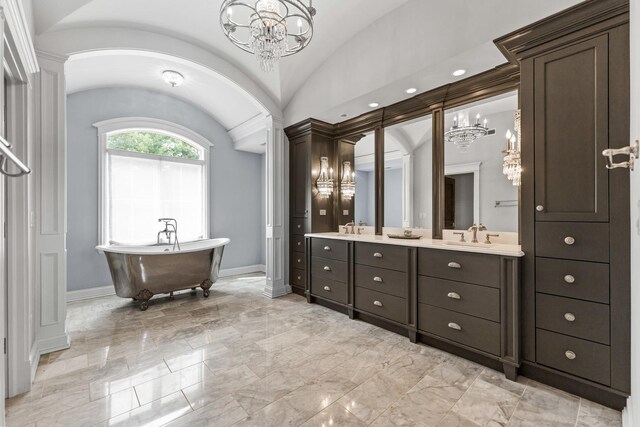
(476, 189)
(363, 172)
(408, 174)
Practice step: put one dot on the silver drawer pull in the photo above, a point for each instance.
(327, 248)
(299, 277)
(454, 265)
(299, 243)
(377, 279)
(569, 240)
(453, 295)
(299, 260)
(570, 317)
(569, 354)
(455, 326)
(299, 226)
(569, 278)
(539, 208)
(377, 255)
(377, 303)
(327, 268)
(327, 288)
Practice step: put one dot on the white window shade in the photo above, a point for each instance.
(142, 189)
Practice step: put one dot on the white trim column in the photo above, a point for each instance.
(50, 177)
(276, 213)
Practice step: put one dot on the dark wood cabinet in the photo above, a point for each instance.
(308, 211)
(575, 224)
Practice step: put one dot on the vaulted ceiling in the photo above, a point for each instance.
(362, 50)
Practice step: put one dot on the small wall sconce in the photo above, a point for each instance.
(348, 184)
(325, 178)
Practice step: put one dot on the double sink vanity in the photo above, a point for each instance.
(460, 294)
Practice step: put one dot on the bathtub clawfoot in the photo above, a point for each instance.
(143, 297)
(205, 285)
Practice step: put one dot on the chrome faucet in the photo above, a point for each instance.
(475, 228)
(351, 224)
(170, 228)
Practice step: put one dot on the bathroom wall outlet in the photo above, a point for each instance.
(323, 212)
(345, 212)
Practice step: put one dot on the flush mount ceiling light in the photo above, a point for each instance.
(458, 73)
(374, 105)
(411, 90)
(270, 29)
(462, 133)
(172, 78)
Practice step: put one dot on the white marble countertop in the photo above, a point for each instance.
(425, 242)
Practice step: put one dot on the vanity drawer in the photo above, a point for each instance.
(297, 242)
(592, 361)
(328, 248)
(387, 306)
(382, 280)
(329, 268)
(574, 279)
(590, 319)
(299, 278)
(467, 267)
(384, 256)
(298, 260)
(326, 287)
(464, 329)
(299, 226)
(475, 300)
(585, 241)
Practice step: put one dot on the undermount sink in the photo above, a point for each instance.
(473, 245)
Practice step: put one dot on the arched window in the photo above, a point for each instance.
(151, 169)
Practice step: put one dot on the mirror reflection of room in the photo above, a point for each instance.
(477, 188)
(408, 175)
(365, 182)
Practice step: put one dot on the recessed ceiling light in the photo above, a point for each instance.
(411, 90)
(343, 115)
(374, 105)
(458, 73)
(172, 78)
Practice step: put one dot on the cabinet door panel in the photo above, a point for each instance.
(300, 178)
(571, 130)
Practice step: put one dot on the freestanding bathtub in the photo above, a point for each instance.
(140, 272)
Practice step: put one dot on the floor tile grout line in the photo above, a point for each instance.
(578, 412)
(526, 387)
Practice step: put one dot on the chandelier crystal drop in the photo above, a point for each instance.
(270, 29)
(462, 134)
(348, 184)
(324, 184)
(512, 162)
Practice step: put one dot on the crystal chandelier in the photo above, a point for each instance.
(324, 184)
(270, 29)
(512, 164)
(462, 134)
(348, 184)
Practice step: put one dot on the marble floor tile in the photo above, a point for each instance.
(168, 384)
(221, 413)
(593, 415)
(237, 358)
(154, 414)
(545, 406)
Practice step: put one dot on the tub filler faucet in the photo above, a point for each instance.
(170, 229)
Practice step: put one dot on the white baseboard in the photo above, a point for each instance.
(103, 291)
(627, 414)
(83, 294)
(257, 268)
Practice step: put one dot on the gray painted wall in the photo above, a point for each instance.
(236, 189)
